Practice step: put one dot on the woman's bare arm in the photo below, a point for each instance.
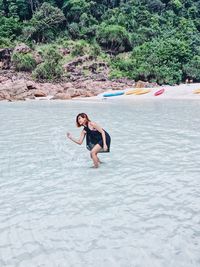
(77, 141)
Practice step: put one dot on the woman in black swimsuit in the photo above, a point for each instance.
(97, 139)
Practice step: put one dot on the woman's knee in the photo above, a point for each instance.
(92, 154)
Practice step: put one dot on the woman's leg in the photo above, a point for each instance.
(93, 154)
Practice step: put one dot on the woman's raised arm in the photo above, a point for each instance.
(77, 141)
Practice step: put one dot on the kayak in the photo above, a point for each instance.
(131, 92)
(159, 92)
(196, 91)
(144, 91)
(113, 94)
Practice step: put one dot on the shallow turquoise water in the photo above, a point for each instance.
(140, 208)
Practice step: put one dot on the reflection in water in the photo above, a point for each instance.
(140, 208)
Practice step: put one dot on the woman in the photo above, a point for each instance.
(97, 139)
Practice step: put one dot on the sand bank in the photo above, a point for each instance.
(183, 91)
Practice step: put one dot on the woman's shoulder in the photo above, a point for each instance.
(92, 123)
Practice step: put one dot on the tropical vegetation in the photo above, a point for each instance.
(152, 40)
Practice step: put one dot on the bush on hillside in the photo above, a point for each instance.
(113, 38)
(23, 62)
(51, 68)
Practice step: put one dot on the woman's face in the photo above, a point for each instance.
(81, 120)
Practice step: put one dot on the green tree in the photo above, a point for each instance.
(10, 28)
(45, 23)
(113, 38)
(73, 9)
(192, 68)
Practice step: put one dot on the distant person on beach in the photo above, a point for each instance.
(191, 81)
(97, 139)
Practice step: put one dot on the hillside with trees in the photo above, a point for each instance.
(149, 40)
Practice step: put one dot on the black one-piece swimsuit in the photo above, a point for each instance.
(94, 137)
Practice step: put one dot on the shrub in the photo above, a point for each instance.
(23, 62)
(46, 72)
(5, 42)
(117, 74)
(80, 48)
(51, 68)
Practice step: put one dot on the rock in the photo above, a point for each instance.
(125, 81)
(7, 86)
(3, 79)
(101, 77)
(18, 98)
(22, 48)
(71, 92)
(4, 95)
(141, 84)
(71, 66)
(50, 88)
(64, 51)
(66, 86)
(31, 85)
(14, 88)
(76, 92)
(40, 93)
(96, 91)
(5, 58)
(19, 87)
(62, 96)
(89, 94)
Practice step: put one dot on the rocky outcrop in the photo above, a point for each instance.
(70, 66)
(22, 48)
(22, 89)
(141, 84)
(84, 76)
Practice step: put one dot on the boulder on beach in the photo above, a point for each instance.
(40, 93)
(61, 96)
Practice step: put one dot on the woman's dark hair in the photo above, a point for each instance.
(84, 116)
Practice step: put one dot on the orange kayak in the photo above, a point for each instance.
(144, 91)
(196, 91)
(138, 91)
(132, 92)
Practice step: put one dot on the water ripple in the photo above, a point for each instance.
(140, 208)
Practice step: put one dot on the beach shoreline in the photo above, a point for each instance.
(182, 91)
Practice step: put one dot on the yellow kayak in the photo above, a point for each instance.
(196, 91)
(135, 91)
(141, 92)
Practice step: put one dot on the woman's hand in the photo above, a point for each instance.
(69, 135)
(105, 148)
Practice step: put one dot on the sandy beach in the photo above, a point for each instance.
(183, 91)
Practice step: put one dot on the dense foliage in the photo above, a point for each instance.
(155, 40)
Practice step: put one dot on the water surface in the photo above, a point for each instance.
(141, 208)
